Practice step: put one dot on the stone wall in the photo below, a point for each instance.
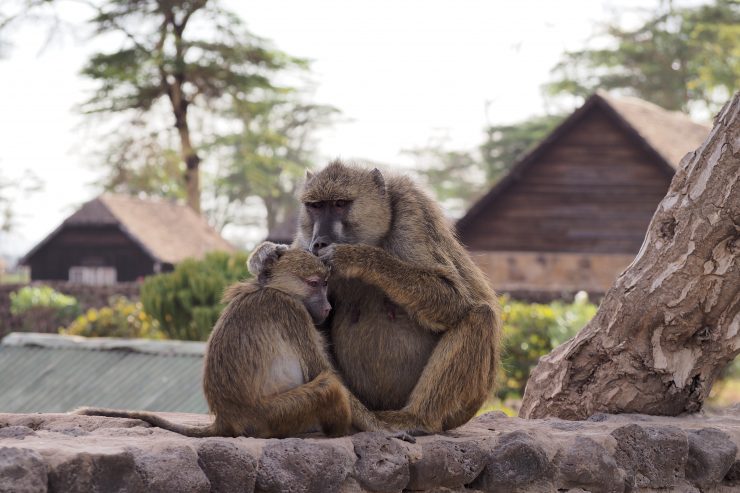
(627, 453)
(542, 276)
(45, 321)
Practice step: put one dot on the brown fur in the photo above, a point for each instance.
(415, 327)
(266, 369)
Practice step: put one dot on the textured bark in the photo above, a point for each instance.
(671, 322)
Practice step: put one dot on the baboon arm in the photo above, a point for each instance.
(435, 296)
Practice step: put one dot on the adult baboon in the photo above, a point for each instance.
(415, 327)
(266, 370)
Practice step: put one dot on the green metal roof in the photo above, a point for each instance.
(52, 373)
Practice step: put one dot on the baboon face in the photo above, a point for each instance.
(300, 273)
(316, 302)
(343, 204)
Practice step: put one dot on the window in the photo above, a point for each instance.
(97, 276)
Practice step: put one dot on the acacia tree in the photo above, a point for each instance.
(677, 58)
(189, 53)
(671, 323)
(266, 157)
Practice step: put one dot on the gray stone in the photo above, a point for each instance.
(169, 467)
(517, 461)
(294, 465)
(102, 472)
(447, 463)
(381, 464)
(22, 471)
(18, 432)
(711, 455)
(652, 457)
(588, 465)
(227, 467)
(733, 475)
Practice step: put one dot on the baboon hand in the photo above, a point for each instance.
(346, 260)
(265, 253)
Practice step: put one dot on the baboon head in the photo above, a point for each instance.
(343, 204)
(298, 273)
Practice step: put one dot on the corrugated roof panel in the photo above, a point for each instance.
(34, 379)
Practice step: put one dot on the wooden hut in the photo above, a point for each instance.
(118, 238)
(573, 212)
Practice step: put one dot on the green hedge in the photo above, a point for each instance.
(532, 330)
(187, 301)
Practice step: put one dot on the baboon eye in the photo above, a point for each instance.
(314, 205)
(313, 283)
(341, 203)
(326, 282)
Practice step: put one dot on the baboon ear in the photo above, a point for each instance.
(309, 175)
(267, 264)
(379, 180)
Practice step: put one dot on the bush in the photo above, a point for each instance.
(123, 318)
(31, 297)
(42, 309)
(532, 330)
(187, 301)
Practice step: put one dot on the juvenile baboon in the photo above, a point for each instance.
(266, 370)
(415, 327)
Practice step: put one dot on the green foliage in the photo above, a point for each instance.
(505, 144)
(123, 318)
(677, 57)
(187, 301)
(35, 297)
(455, 177)
(266, 158)
(181, 57)
(458, 177)
(532, 330)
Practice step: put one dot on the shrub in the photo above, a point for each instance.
(532, 330)
(187, 301)
(42, 309)
(30, 297)
(123, 318)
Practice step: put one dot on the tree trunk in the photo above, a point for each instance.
(671, 322)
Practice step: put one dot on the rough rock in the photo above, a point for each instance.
(588, 464)
(97, 470)
(22, 471)
(447, 463)
(300, 466)
(711, 454)
(608, 453)
(654, 457)
(227, 467)
(382, 464)
(516, 462)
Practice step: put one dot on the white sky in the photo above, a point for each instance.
(401, 71)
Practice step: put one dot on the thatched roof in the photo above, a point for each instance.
(670, 133)
(168, 232)
(666, 135)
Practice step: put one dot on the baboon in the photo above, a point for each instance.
(415, 326)
(266, 371)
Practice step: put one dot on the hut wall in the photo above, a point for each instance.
(551, 275)
(104, 246)
(594, 190)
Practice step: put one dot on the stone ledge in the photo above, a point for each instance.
(607, 453)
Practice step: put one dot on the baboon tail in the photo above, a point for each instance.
(151, 418)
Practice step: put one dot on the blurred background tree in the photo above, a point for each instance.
(680, 58)
(180, 57)
(685, 59)
(266, 157)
